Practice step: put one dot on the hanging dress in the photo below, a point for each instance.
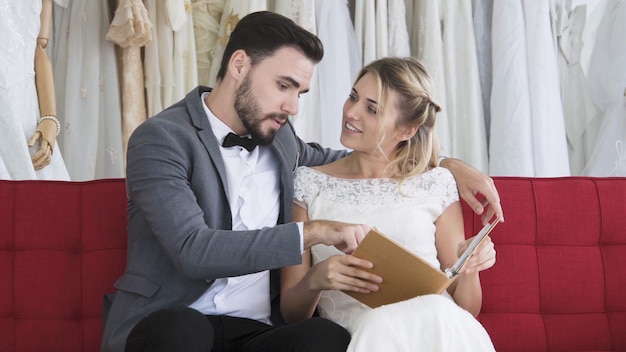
(88, 95)
(170, 59)
(578, 106)
(511, 145)
(398, 31)
(206, 25)
(425, 38)
(607, 77)
(483, 12)
(131, 29)
(550, 155)
(466, 121)
(365, 30)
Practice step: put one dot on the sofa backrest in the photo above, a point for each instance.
(62, 245)
(559, 283)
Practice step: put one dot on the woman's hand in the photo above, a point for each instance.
(484, 256)
(344, 272)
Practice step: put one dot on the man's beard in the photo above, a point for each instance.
(247, 107)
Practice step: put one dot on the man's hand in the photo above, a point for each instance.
(473, 184)
(345, 237)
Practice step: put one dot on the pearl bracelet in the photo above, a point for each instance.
(53, 118)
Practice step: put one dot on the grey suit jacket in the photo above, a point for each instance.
(179, 220)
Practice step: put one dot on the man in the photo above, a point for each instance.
(208, 218)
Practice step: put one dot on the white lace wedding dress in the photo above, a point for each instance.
(430, 323)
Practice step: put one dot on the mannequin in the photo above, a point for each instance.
(49, 126)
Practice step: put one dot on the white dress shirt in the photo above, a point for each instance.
(254, 199)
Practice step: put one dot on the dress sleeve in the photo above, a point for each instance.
(450, 192)
(304, 186)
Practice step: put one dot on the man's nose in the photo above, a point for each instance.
(291, 106)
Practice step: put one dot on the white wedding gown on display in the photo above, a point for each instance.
(510, 138)
(19, 107)
(171, 69)
(607, 77)
(578, 106)
(468, 139)
(430, 323)
(425, 38)
(550, 154)
(88, 92)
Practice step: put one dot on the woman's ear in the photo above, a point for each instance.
(407, 133)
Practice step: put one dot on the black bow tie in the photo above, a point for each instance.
(232, 140)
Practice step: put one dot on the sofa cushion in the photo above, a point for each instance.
(559, 282)
(62, 245)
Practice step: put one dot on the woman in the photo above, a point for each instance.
(391, 181)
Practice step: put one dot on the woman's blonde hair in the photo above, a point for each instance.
(408, 78)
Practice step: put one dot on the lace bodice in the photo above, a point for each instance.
(406, 212)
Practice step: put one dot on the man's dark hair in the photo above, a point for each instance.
(262, 33)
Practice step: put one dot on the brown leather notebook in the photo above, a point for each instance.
(406, 275)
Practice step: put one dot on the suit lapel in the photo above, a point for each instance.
(195, 106)
(284, 146)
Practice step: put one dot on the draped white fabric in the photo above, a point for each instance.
(424, 21)
(607, 77)
(578, 106)
(170, 61)
(482, 13)
(548, 125)
(510, 148)
(87, 91)
(468, 140)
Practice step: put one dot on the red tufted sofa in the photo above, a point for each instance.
(559, 283)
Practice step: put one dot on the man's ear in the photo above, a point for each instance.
(237, 65)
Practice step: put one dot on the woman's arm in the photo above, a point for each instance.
(297, 302)
(302, 285)
(450, 240)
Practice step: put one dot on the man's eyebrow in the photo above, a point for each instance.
(293, 82)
